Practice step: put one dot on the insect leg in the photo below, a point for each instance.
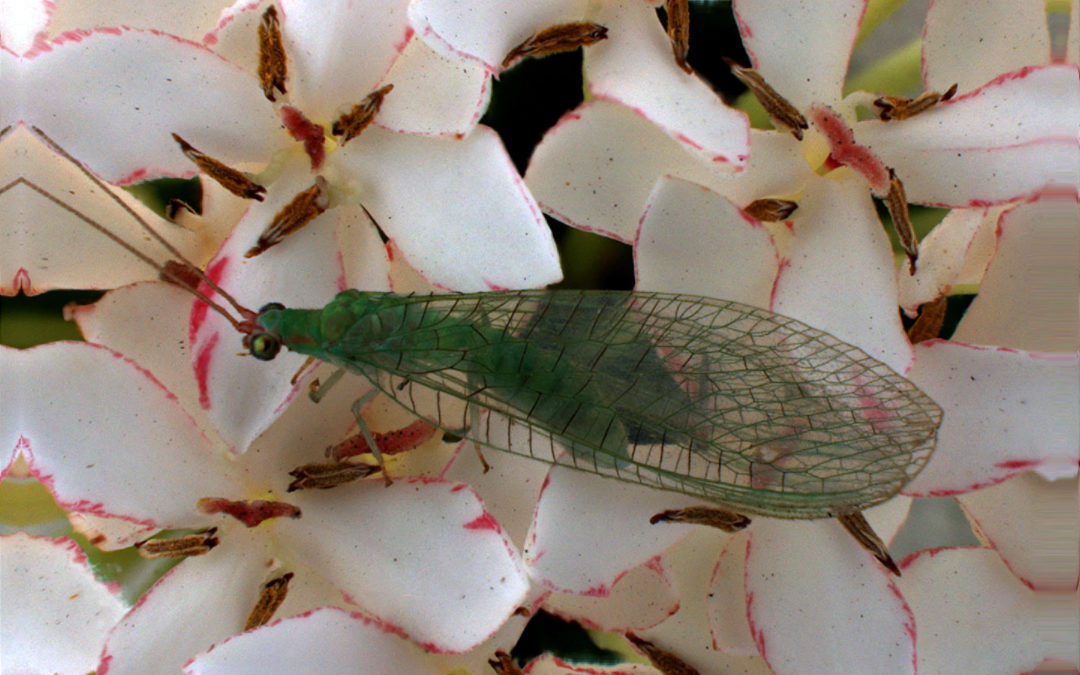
(855, 523)
(320, 390)
(474, 422)
(357, 406)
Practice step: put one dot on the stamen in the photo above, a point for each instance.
(304, 208)
(678, 30)
(896, 108)
(664, 661)
(352, 123)
(931, 319)
(271, 597)
(713, 516)
(326, 476)
(855, 523)
(771, 210)
(503, 664)
(272, 59)
(250, 513)
(199, 543)
(782, 113)
(564, 37)
(896, 201)
(226, 176)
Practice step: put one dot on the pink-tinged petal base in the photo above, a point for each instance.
(1006, 412)
(686, 229)
(1032, 524)
(105, 437)
(819, 603)
(325, 641)
(970, 48)
(1028, 297)
(456, 208)
(434, 538)
(1010, 139)
(634, 67)
(971, 610)
(56, 614)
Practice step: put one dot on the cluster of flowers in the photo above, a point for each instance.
(412, 194)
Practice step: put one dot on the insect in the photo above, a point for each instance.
(715, 399)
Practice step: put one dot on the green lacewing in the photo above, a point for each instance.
(711, 398)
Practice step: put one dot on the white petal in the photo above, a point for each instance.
(421, 554)
(1006, 411)
(595, 168)
(196, 18)
(970, 48)
(693, 240)
(1032, 525)
(952, 155)
(126, 85)
(837, 228)
(955, 252)
(641, 598)
(727, 600)
(47, 246)
(456, 208)
(106, 437)
(244, 396)
(970, 610)
(801, 48)
(203, 600)
(433, 95)
(21, 22)
(818, 603)
(323, 641)
(57, 613)
(634, 67)
(1028, 297)
(339, 50)
(576, 545)
(487, 30)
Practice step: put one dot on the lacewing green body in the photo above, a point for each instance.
(714, 399)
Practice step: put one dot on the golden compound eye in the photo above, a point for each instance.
(265, 346)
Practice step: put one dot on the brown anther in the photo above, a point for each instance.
(272, 60)
(931, 319)
(564, 37)
(352, 123)
(678, 31)
(713, 516)
(895, 108)
(390, 442)
(304, 208)
(199, 543)
(326, 476)
(503, 664)
(896, 201)
(781, 112)
(855, 523)
(250, 513)
(771, 210)
(174, 206)
(272, 595)
(664, 661)
(227, 177)
(180, 274)
(522, 611)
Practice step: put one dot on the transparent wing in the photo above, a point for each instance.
(706, 397)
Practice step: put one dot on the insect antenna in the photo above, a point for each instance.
(178, 273)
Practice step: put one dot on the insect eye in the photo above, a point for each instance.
(264, 346)
(271, 305)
